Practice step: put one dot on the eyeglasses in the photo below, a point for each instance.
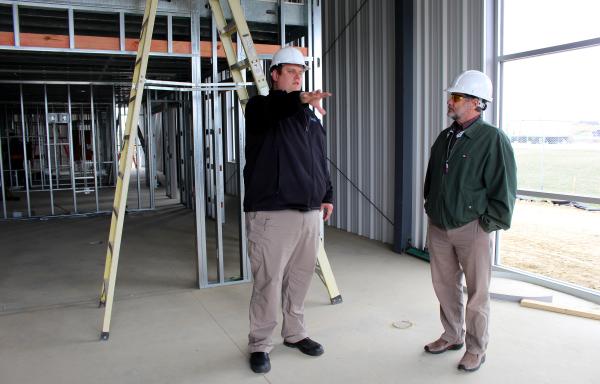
(294, 71)
(456, 97)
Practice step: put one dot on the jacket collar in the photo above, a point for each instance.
(474, 129)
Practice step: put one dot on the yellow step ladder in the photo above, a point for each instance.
(252, 62)
(120, 201)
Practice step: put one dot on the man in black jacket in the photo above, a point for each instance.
(287, 185)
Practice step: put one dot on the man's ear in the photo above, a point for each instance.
(274, 75)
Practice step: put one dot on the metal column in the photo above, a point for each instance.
(2, 164)
(150, 139)
(25, 165)
(47, 147)
(280, 6)
(55, 144)
(241, 160)
(71, 157)
(16, 27)
(137, 166)
(94, 152)
(148, 124)
(218, 158)
(198, 153)
(114, 141)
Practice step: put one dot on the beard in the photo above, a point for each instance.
(452, 114)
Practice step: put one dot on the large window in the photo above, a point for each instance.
(550, 107)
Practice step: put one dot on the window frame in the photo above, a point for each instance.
(495, 17)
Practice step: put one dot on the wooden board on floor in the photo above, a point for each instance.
(560, 309)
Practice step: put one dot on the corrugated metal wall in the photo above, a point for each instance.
(448, 38)
(358, 55)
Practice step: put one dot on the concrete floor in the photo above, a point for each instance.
(164, 330)
(40, 203)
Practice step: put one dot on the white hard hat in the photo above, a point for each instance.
(288, 55)
(473, 83)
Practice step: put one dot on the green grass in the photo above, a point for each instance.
(558, 169)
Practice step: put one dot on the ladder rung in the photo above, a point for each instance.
(229, 29)
(240, 65)
(83, 177)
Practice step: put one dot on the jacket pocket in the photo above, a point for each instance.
(472, 205)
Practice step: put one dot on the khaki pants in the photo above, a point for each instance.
(282, 246)
(468, 250)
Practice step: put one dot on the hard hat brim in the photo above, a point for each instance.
(456, 90)
(306, 67)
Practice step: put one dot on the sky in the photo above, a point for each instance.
(563, 86)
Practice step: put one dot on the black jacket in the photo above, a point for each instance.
(286, 167)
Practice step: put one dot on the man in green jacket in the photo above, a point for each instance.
(469, 191)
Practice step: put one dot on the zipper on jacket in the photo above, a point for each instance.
(445, 169)
(450, 151)
(312, 160)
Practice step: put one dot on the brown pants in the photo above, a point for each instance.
(468, 250)
(282, 246)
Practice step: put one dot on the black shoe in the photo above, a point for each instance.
(259, 362)
(307, 346)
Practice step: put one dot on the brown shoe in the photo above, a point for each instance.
(471, 362)
(441, 345)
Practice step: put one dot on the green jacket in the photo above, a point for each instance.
(480, 181)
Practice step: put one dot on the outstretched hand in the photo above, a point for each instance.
(314, 98)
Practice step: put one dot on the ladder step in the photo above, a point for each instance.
(240, 65)
(229, 29)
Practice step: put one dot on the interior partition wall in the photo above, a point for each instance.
(75, 70)
(60, 143)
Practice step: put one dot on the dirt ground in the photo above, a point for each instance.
(557, 241)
